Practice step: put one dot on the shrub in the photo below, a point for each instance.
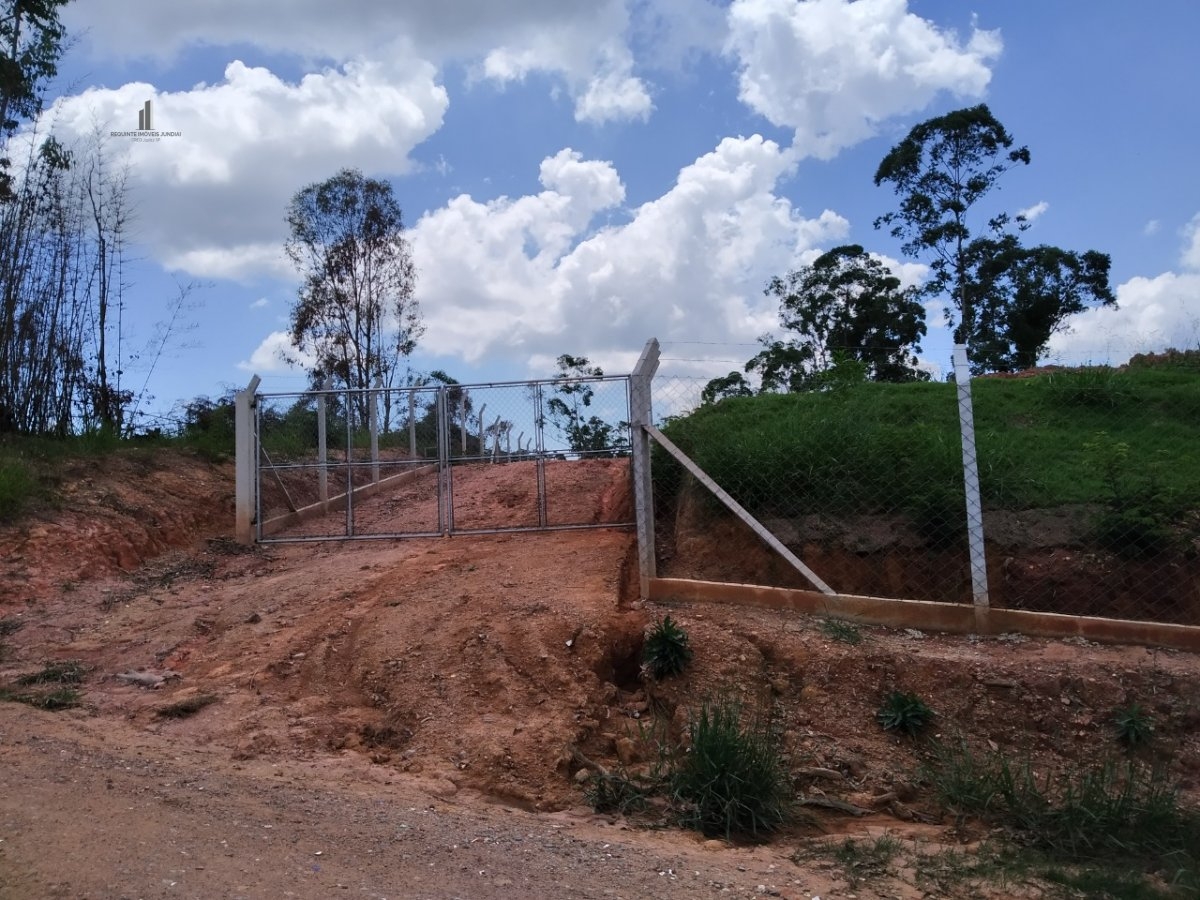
(732, 779)
(666, 651)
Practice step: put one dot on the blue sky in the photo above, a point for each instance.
(580, 176)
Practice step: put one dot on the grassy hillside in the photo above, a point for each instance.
(1128, 441)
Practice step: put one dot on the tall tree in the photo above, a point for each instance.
(847, 307)
(356, 315)
(940, 171)
(1004, 300)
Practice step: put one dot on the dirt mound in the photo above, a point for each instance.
(480, 671)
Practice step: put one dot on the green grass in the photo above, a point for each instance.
(666, 650)
(904, 712)
(885, 448)
(732, 780)
(842, 631)
(1111, 814)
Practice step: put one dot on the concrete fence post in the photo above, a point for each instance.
(641, 415)
(246, 454)
(966, 420)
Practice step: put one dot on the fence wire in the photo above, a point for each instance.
(443, 459)
(1089, 480)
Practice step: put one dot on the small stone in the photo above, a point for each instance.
(582, 776)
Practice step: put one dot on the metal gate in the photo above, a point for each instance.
(442, 459)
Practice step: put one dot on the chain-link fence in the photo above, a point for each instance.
(442, 459)
(1089, 486)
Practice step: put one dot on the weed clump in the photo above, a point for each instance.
(732, 779)
(1107, 812)
(666, 651)
(842, 631)
(1133, 725)
(904, 712)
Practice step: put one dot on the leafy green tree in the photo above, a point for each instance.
(1005, 301)
(568, 409)
(847, 308)
(1026, 294)
(356, 315)
(732, 385)
(940, 171)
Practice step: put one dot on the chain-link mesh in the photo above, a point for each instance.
(1089, 482)
(452, 458)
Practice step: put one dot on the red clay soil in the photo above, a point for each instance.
(416, 718)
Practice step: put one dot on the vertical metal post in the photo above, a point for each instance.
(482, 442)
(412, 424)
(641, 414)
(323, 443)
(966, 419)
(373, 412)
(246, 466)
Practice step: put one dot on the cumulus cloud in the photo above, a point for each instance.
(268, 356)
(833, 70)
(1152, 314)
(211, 201)
(584, 43)
(505, 276)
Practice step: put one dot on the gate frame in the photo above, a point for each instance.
(250, 526)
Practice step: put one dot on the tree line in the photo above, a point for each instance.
(847, 315)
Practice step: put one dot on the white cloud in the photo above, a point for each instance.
(1152, 314)
(1034, 212)
(268, 356)
(211, 202)
(1190, 259)
(260, 303)
(507, 277)
(1151, 228)
(584, 43)
(833, 70)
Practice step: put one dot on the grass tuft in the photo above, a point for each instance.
(666, 651)
(68, 671)
(841, 630)
(904, 712)
(1133, 725)
(1109, 812)
(732, 780)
